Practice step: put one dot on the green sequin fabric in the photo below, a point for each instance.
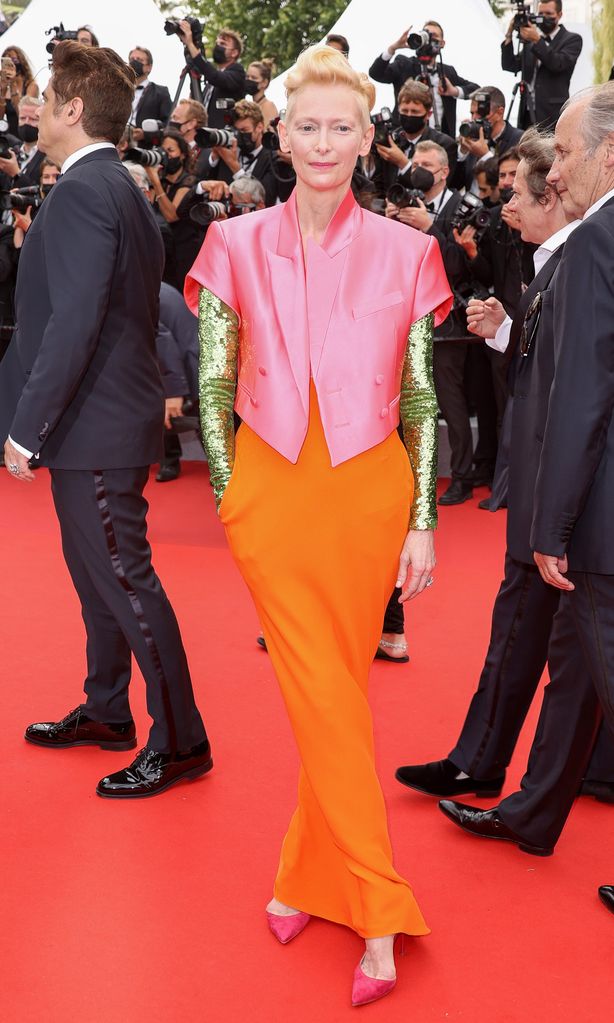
(419, 419)
(218, 335)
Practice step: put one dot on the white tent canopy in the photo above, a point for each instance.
(120, 25)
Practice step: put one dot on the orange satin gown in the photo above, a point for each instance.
(318, 548)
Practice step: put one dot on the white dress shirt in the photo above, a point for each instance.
(138, 94)
(68, 162)
(540, 258)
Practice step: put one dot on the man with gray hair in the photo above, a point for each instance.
(572, 534)
(23, 165)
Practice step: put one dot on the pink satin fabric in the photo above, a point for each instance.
(341, 314)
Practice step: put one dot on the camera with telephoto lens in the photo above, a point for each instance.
(403, 198)
(210, 137)
(425, 44)
(525, 17)
(154, 157)
(22, 199)
(383, 126)
(173, 28)
(471, 212)
(270, 138)
(59, 35)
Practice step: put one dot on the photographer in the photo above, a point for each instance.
(225, 77)
(20, 79)
(487, 183)
(150, 101)
(259, 74)
(23, 165)
(546, 60)
(48, 174)
(443, 79)
(173, 186)
(247, 154)
(494, 135)
(188, 116)
(415, 106)
(434, 215)
(86, 36)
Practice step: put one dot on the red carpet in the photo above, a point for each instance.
(153, 910)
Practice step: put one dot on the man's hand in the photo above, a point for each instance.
(477, 147)
(445, 88)
(137, 134)
(416, 563)
(391, 210)
(152, 174)
(553, 569)
(484, 318)
(23, 220)
(401, 43)
(392, 154)
(186, 38)
(229, 156)
(510, 218)
(173, 407)
(530, 34)
(10, 166)
(416, 216)
(466, 240)
(13, 457)
(216, 190)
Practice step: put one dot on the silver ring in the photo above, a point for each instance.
(430, 581)
(13, 468)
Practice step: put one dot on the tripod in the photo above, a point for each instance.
(196, 89)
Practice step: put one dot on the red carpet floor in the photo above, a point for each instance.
(153, 910)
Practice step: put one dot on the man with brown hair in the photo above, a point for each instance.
(247, 155)
(415, 104)
(225, 77)
(80, 390)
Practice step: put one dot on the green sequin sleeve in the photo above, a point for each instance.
(218, 336)
(419, 419)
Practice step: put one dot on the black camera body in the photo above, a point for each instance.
(209, 137)
(426, 45)
(471, 129)
(204, 213)
(152, 157)
(525, 17)
(59, 35)
(22, 199)
(173, 28)
(403, 197)
(471, 212)
(383, 127)
(270, 138)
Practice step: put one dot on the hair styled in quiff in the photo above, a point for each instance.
(324, 65)
(101, 79)
(536, 150)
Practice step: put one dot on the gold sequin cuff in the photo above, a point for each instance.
(218, 336)
(419, 418)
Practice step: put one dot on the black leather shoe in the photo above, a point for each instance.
(77, 729)
(153, 772)
(457, 493)
(602, 791)
(261, 641)
(441, 778)
(484, 504)
(606, 894)
(168, 471)
(487, 824)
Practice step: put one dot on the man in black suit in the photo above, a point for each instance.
(151, 101)
(80, 390)
(572, 533)
(503, 136)
(247, 155)
(546, 62)
(446, 89)
(224, 78)
(415, 106)
(22, 167)
(525, 606)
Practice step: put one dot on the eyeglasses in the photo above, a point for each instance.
(530, 325)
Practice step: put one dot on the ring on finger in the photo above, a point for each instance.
(430, 581)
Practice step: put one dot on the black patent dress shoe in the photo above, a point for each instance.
(602, 791)
(484, 504)
(606, 894)
(261, 641)
(168, 471)
(443, 778)
(487, 824)
(151, 772)
(77, 729)
(457, 493)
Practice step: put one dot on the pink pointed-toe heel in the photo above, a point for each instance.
(368, 989)
(285, 928)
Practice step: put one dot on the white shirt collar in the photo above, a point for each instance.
(543, 253)
(597, 205)
(143, 84)
(84, 151)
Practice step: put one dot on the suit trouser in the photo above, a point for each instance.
(103, 523)
(480, 388)
(581, 663)
(522, 623)
(449, 374)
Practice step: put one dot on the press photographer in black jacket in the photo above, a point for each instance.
(489, 135)
(225, 77)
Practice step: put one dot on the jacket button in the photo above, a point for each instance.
(262, 371)
(254, 402)
(384, 413)
(379, 378)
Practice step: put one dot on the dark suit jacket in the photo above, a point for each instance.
(177, 345)
(504, 262)
(80, 382)
(574, 497)
(454, 327)
(557, 62)
(263, 172)
(228, 83)
(30, 175)
(397, 71)
(155, 103)
(531, 382)
(428, 135)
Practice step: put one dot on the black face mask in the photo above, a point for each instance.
(505, 194)
(27, 133)
(175, 125)
(421, 178)
(245, 142)
(138, 67)
(173, 164)
(411, 123)
(548, 25)
(219, 54)
(489, 203)
(45, 189)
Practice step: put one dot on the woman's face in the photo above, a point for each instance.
(49, 175)
(325, 135)
(253, 75)
(171, 149)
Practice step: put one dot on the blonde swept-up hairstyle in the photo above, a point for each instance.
(324, 65)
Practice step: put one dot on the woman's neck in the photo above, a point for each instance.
(317, 209)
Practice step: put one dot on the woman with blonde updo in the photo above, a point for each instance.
(323, 509)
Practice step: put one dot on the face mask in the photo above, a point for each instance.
(245, 142)
(173, 164)
(505, 194)
(175, 125)
(45, 189)
(422, 179)
(138, 67)
(411, 123)
(219, 54)
(548, 25)
(489, 203)
(27, 133)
